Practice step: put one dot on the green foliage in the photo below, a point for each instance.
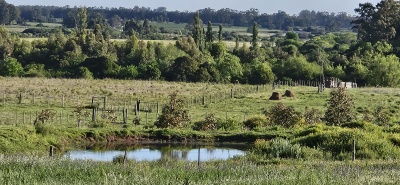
(209, 123)
(85, 73)
(228, 124)
(296, 68)
(35, 70)
(259, 73)
(229, 68)
(381, 116)
(254, 40)
(340, 107)
(10, 67)
(278, 148)
(384, 71)
(149, 71)
(370, 143)
(312, 116)
(254, 122)
(102, 66)
(377, 23)
(173, 114)
(282, 115)
(184, 69)
(128, 72)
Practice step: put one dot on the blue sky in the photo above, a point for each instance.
(264, 6)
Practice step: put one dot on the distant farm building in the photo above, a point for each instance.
(335, 82)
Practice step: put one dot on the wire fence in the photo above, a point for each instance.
(78, 110)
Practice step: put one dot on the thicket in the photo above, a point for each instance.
(85, 53)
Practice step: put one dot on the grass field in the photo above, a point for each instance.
(37, 170)
(42, 93)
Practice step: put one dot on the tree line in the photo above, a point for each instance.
(204, 57)
(228, 17)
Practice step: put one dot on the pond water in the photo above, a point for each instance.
(157, 152)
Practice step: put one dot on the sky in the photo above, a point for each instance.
(264, 6)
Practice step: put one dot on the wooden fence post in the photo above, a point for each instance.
(51, 151)
(157, 107)
(354, 150)
(198, 158)
(20, 98)
(63, 101)
(138, 106)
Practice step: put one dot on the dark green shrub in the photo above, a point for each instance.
(254, 122)
(209, 123)
(99, 124)
(312, 116)
(43, 129)
(340, 108)
(229, 124)
(277, 148)
(282, 148)
(282, 115)
(339, 142)
(311, 153)
(173, 114)
(381, 116)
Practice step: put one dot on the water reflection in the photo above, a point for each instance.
(152, 153)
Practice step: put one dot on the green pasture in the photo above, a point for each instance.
(68, 102)
(225, 101)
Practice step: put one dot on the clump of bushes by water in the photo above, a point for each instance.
(209, 123)
(371, 142)
(277, 148)
(283, 115)
(256, 121)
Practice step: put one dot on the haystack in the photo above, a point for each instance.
(275, 96)
(289, 93)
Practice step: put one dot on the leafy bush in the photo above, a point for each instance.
(381, 116)
(254, 122)
(210, 123)
(229, 124)
(340, 109)
(99, 124)
(278, 148)
(282, 115)
(173, 114)
(43, 129)
(339, 142)
(312, 116)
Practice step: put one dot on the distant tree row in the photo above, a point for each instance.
(204, 57)
(228, 17)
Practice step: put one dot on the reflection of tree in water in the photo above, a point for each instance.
(171, 153)
(165, 152)
(210, 150)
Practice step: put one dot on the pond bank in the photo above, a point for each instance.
(30, 139)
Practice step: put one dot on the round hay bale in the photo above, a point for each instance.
(275, 96)
(289, 93)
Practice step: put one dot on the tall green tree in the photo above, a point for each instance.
(197, 30)
(209, 34)
(10, 67)
(81, 20)
(340, 108)
(378, 23)
(220, 33)
(254, 40)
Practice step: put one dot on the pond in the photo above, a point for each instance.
(153, 152)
